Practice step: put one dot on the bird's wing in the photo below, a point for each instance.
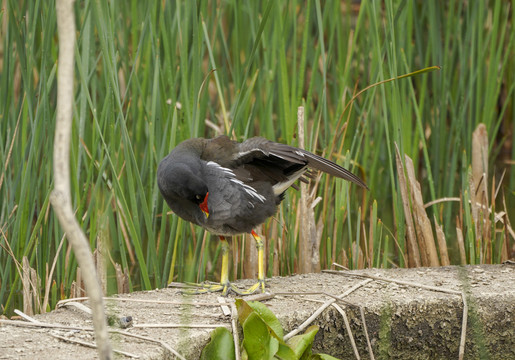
(260, 149)
(252, 161)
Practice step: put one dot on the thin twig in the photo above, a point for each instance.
(93, 346)
(444, 199)
(60, 196)
(328, 303)
(79, 306)
(43, 325)
(427, 287)
(461, 352)
(369, 345)
(26, 317)
(258, 297)
(162, 343)
(168, 302)
(349, 331)
(235, 335)
(179, 325)
(498, 216)
(336, 297)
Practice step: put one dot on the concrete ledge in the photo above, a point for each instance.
(403, 321)
(408, 322)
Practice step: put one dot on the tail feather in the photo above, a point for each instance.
(260, 149)
(327, 166)
(313, 161)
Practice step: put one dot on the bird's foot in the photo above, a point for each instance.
(208, 287)
(251, 290)
(224, 288)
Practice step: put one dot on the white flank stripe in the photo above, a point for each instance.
(249, 190)
(218, 166)
(232, 177)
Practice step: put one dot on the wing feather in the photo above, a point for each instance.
(258, 149)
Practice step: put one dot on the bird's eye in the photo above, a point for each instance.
(198, 197)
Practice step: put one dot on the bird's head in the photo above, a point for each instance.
(178, 182)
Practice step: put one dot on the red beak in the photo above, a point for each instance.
(203, 205)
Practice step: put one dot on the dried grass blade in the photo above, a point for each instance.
(413, 250)
(442, 244)
(423, 225)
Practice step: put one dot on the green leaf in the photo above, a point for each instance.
(257, 340)
(244, 310)
(302, 343)
(322, 357)
(268, 317)
(285, 352)
(220, 347)
(244, 355)
(256, 318)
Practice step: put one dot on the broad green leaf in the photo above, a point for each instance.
(301, 343)
(268, 317)
(221, 346)
(257, 340)
(246, 308)
(248, 313)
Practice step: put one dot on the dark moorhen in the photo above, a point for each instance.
(230, 188)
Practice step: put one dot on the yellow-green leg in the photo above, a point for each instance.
(261, 266)
(225, 285)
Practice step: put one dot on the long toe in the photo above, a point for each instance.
(225, 289)
(203, 288)
(260, 284)
(207, 287)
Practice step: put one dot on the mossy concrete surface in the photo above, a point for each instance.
(407, 322)
(404, 321)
